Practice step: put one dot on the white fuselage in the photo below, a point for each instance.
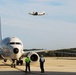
(12, 47)
(37, 13)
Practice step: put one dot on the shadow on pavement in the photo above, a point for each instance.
(35, 73)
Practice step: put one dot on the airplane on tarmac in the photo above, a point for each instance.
(37, 13)
(12, 48)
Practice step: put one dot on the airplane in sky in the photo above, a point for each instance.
(37, 13)
(12, 48)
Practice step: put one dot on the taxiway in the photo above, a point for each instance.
(53, 66)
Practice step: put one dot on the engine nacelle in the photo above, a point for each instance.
(33, 56)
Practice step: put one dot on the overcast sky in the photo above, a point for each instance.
(55, 30)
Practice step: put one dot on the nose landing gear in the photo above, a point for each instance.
(17, 63)
(13, 63)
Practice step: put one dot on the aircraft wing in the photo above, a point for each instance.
(32, 53)
(1, 53)
(67, 53)
(35, 50)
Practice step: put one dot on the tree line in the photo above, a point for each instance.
(70, 52)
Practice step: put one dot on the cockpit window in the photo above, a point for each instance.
(12, 42)
(18, 43)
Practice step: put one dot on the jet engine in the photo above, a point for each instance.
(33, 56)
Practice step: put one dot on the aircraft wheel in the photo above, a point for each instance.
(5, 60)
(21, 62)
(13, 65)
(17, 62)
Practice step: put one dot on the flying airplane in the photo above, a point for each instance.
(12, 48)
(37, 13)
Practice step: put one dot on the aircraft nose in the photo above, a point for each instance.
(15, 50)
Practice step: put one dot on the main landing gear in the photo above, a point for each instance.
(18, 62)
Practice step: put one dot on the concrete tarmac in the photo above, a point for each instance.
(52, 66)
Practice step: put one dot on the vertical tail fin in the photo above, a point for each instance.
(0, 32)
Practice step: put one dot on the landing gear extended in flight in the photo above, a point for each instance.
(17, 63)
